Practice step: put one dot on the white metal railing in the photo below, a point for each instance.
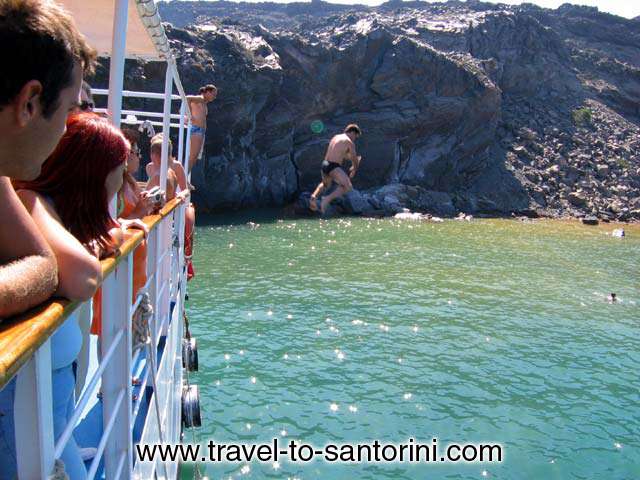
(34, 439)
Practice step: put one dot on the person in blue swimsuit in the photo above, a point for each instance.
(199, 111)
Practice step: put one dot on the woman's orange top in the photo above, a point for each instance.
(129, 197)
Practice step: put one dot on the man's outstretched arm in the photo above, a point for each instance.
(28, 270)
(355, 161)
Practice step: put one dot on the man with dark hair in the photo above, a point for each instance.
(45, 57)
(199, 112)
(341, 147)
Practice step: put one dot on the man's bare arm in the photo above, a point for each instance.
(28, 269)
(355, 160)
(195, 99)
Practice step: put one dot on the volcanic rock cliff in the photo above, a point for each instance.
(470, 107)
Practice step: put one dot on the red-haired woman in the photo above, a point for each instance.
(133, 204)
(69, 202)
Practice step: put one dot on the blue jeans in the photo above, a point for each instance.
(196, 130)
(7, 435)
(63, 384)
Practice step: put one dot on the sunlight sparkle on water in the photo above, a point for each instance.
(515, 311)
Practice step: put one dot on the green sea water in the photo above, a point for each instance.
(352, 330)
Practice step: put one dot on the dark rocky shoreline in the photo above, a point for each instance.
(466, 107)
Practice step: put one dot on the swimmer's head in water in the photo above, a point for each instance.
(317, 126)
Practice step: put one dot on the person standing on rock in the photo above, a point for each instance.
(199, 111)
(341, 147)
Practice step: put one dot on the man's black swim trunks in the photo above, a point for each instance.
(328, 166)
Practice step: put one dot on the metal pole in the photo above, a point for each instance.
(181, 158)
(33, 416)
(187, 152)
(116, 377)
(166, 125)
(116, 71)
(116, 68)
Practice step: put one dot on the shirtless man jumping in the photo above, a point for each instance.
(199, 111)
(341, 147)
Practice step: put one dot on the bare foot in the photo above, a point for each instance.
(313, 204)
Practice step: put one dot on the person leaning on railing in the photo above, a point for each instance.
(43, 56)
(177, 183)
(176, 176)
(70, 203)
(133, 205)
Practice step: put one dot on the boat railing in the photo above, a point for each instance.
(25, 350)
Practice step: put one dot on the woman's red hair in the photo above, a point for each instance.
(74, 176)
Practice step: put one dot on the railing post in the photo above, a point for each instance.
(116, 70)
(152, 261)
(165, 240)
(183, 111)
(33, 416)
(116, 316)
(166, 125)
(116, 66)
(187, 151)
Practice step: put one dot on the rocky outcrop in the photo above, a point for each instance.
(465, 106)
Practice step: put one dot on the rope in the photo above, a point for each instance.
(59, 472)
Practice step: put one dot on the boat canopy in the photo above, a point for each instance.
(146, 38)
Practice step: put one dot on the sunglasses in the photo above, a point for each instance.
(86, 106)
